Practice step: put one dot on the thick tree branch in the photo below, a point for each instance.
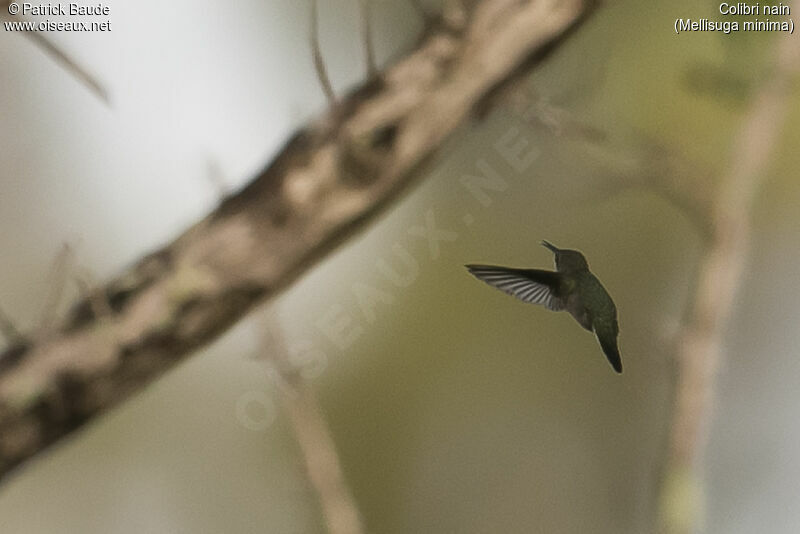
(325, 183)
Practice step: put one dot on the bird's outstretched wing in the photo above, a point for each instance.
(529, 285)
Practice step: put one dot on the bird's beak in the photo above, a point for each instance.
(550, 246)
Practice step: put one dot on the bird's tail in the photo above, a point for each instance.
(608, 341)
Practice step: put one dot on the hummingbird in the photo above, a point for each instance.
(571, 287)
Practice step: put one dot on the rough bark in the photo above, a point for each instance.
(326, 182)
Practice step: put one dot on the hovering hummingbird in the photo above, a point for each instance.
(572, 287)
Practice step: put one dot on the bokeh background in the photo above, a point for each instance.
(454, 408)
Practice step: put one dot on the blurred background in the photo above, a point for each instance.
(454, 408)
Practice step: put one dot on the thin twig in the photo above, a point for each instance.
(87, 290)
(216, 178)
(366, 35)
(57, 282)
(319, 62)
(321, 461)
(313, 436)
(71, 66)
(701, 341)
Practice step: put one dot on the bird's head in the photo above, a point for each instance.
(567, 260)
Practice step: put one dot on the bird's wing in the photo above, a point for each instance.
(529, 285)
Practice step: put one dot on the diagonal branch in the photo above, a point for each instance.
(328, 181)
